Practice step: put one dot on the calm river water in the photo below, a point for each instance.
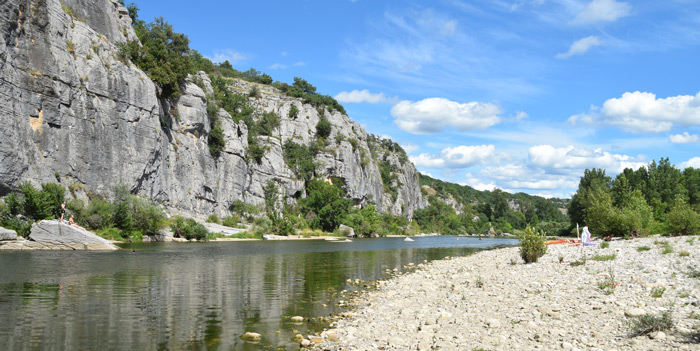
(194, 296)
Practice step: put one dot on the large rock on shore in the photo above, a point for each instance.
(61, 235)
(6, 234)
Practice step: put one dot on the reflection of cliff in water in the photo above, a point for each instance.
(170, 296)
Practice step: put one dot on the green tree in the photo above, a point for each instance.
(54, 195)
(593, 180)
(682, 219)
(163, 54)
(34, 203)
(327, 203)
(691, 182)
(499, 204)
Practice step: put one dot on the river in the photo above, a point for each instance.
(195, 296)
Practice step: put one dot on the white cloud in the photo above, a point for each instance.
(580, 47)
(358, 96)
(229, 55)
(643, 112)
(278, 66)
(520, 115)
(602, 11)
(693, 162)
(684, 138)
(409, 147)
(519, 176)
(478, 184)
(432, 115)
(449, 27)
(456, 157)
(570, 160)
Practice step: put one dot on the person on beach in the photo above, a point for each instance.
(63, 211)
(586, 237)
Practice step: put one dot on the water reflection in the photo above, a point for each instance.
(192, 296)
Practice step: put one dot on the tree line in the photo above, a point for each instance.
(656, 199)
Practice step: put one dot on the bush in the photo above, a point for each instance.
(148, 217)
(293, 111)
(604, 245)
(213, 219)
(98, 214)
(34, 204)
(231, 221)
(532, 245)
(299, 159)
(682, 219)
(189, 229)
(267, 123)
(323, 128)
(648, 323)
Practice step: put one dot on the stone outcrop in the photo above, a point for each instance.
(73, 111)
(6, 234)
(62, 234)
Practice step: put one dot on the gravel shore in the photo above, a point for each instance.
(493, 301)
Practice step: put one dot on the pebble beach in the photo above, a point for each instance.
(573, 298)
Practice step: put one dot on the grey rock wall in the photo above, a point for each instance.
(70, 108)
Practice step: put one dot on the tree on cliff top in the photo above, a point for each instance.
(163, 54)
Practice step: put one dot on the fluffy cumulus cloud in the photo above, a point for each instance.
(571, 160)
(603, 11)
(432, 115)
(520, 176)
(643, 112)
(358, 96)
(580, 47)
(684, 138)
(693, 162)
(456, 157)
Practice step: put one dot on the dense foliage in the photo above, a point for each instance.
(127, 216)
(481, 210)
(189, 229)
(658, 198)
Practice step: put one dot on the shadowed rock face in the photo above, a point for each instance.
(69, 107)
(53, 232)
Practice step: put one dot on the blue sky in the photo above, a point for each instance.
(522, 95)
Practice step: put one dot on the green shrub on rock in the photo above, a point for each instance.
(532, 245)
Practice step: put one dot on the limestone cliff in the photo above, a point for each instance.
(71, 110)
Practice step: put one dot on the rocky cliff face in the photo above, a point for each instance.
(71, 110)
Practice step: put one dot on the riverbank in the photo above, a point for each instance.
(492, 301)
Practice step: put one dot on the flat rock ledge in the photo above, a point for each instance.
(493, 301)
(52, 235)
